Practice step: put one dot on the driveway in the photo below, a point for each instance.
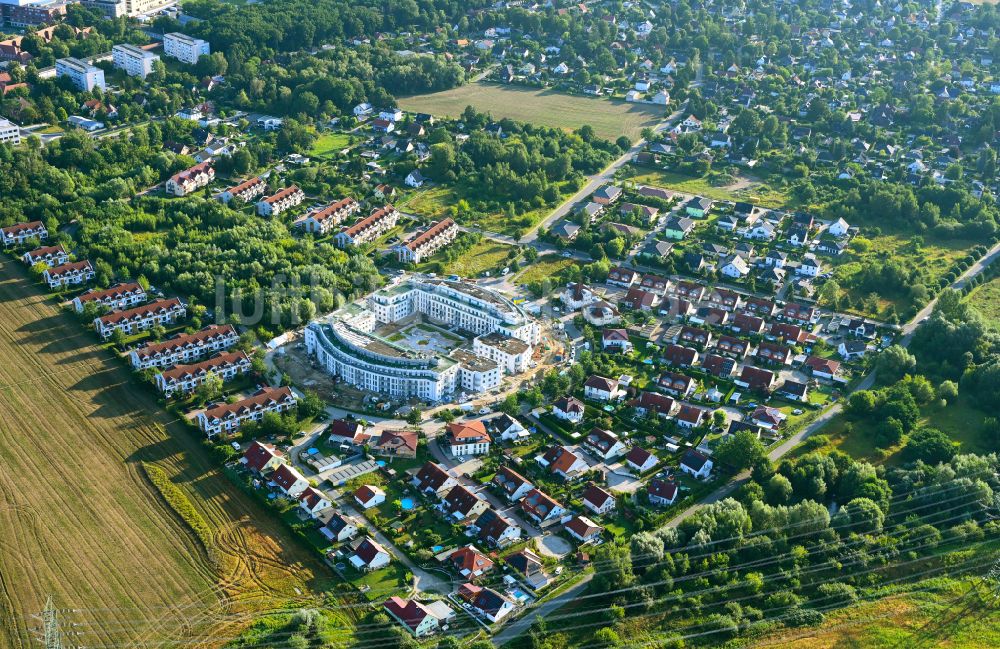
(554, 546)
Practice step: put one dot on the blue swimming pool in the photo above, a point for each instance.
(380, 462)
(437, 548)
(406, 503)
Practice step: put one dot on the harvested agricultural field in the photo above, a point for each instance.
(609, 118)
(79, 519)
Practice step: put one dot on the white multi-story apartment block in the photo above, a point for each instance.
(119, 296)
(189, 180)
(346, 344)
(228, 417)
(74, 272)
(84, 75)
(140, 318)
(277, 203)
(323, 219)
(15, 235)
(459, 304)
(10, 133)
(184, 348)
(377, 365)
(135, 8)
(369, 228)
(428, 242)
(184, 48)
(511, 354)
(246, 191)
(187, 378)
(48, 255)
(135, 61)
(476, 374)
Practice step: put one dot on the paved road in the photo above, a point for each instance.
(599, 180)
(524, 623)
(608, 174)
(423, 580)
(782, 449)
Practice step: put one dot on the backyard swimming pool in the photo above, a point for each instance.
(406, 503)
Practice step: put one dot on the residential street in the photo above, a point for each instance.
(522, 624)
(608, 174)
(598, 180)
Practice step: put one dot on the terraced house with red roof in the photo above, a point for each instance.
(119, 296)
(426, 243)
(228, 417)
(369, 228)
(140, 318)
(184, 348)
(17, 234)
(277, 203)
(189, 180)
(48, 255)
(68, 274)
(246, 191)
(187, 378)
(322, 220)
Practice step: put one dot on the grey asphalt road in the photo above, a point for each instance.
(524, 623)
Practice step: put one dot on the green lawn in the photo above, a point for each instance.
(484, 256)
(934, 259)
(543, 268)
(986, 300)
(746, 188)
(394, 579)
(330, 144)
(436, 202)
(609, 119)
(432, 202)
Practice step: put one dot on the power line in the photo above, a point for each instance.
(590, 611)
(701, 546)
(50, 625)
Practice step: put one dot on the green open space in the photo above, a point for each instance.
(330, 143)
(744, 188)
(985, 300)
(933, 259)
(609, 119)
(544, 268)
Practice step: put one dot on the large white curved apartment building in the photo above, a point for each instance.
(346, 344)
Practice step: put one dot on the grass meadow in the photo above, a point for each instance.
(610, 119)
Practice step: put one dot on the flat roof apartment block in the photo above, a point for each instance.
(135, 61)
(9, 132)
(184, 48)
(84, 75)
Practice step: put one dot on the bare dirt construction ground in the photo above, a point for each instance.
(79, 520)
